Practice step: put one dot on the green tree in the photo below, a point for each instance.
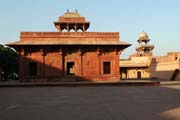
(9, 62)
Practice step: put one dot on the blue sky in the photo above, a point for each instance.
(158, 18)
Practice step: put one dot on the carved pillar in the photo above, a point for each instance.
(22, 65)
(99, 54)
(67, 27)
(43, 54)
(117, 63)
(75, 27)
(81, 60)
(83, 28)
(61, 61)
(58, 27)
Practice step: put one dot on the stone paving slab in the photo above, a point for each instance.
(87, 103)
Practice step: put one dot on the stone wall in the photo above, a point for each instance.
(163, 67)
(133, 73)
(66, 63)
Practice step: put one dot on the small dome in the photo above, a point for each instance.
(143, 36)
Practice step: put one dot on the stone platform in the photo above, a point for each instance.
(80, 84)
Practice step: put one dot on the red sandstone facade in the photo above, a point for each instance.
(72, 54)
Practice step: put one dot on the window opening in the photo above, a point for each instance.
(70, 68)
(139, 74)
(32, 69)
(107, 67)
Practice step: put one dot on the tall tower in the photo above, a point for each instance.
(144, 49)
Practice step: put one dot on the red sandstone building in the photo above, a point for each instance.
(71, 54)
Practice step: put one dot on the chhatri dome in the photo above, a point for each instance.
(143, 37)
(144, 49)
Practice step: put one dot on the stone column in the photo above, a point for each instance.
(22, 65)
(75, 27)
(67, 27)
(99, 54)
(61, 61)
(58, 27)
(117, 64)
(43, 64)
(83, 28)
(81, 60)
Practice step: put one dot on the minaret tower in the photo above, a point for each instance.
(144, 49)
(72, 21)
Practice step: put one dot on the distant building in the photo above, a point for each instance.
(166, 67)
(142, 65)
(72, 54)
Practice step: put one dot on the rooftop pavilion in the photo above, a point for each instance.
(72, 21)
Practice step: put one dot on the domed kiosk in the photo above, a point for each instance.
(144, 49)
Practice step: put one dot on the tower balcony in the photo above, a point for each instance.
(143, 47)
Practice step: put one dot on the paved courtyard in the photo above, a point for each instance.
(91, 103)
